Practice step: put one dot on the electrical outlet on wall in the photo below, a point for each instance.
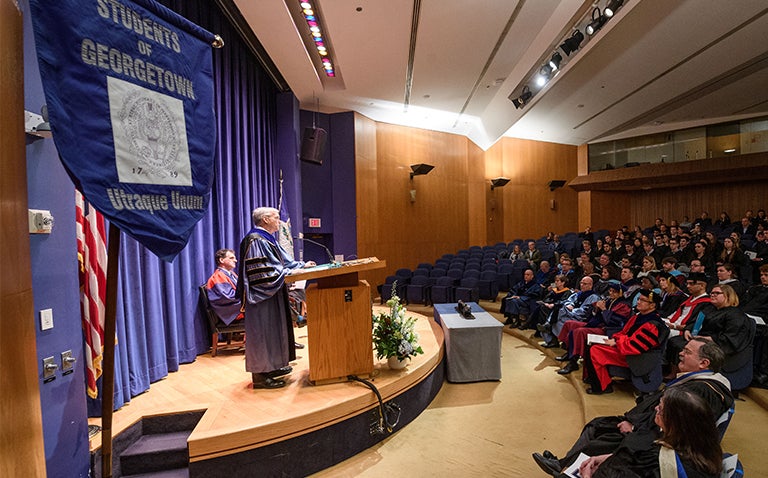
(40, 221)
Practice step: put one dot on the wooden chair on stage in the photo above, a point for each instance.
(218, 328)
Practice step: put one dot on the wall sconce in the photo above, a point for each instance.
(420, 169)
(556, 183)
(498, 182)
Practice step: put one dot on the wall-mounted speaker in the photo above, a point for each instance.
(313, 145)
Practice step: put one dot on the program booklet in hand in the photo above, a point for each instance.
(596, 338)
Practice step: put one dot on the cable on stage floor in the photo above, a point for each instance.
(390, 409)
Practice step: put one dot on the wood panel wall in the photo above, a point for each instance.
(21, 433)
(673, 203)
(531, 165)
(454, 207)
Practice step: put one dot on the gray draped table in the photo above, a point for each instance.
(472, 347)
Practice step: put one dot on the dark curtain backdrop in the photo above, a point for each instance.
(158, 322)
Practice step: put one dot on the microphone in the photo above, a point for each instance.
(331, 258)
(465, 310)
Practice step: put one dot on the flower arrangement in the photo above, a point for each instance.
(393, 333)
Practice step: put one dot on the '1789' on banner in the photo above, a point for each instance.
(129, 89)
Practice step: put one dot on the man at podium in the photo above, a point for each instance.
(261, 283)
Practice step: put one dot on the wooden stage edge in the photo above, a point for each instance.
(237, 418)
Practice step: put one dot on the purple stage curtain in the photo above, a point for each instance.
(158, 322)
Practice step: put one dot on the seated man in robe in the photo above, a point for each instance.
(698, 303)
(519, 299)
(608, 316)
(700, 364)
(643, 332)
(221, 287)
(577, 307)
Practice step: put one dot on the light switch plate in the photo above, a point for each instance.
(67, 361)
(46, 319)
(49, 368)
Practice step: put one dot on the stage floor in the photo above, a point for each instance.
(238, 418)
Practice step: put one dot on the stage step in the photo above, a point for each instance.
(156, 452)
(175, 473)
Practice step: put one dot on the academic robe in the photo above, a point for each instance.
(641, 333)
(261, 284)
(222, 294)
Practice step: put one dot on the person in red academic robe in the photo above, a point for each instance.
(641, 333)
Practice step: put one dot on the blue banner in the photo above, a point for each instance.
(129, 90)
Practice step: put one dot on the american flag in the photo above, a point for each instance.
(92, 255)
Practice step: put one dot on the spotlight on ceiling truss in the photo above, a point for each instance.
(571, 44)
(598, 20)
(521, 100)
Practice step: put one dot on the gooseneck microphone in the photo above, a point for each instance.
(331, 258)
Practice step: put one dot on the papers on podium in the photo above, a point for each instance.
(596, 339)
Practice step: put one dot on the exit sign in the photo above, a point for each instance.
(314, 222)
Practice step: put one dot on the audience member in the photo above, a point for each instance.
(732, 254)
(577, 307)
(723, 221)
(532, 255)
(726, 274)
(697, 304)
(516, 253)
(648, 267)
(703, 221)
(671, 295)
(644, 331)
(518, 301)
(545, 275)
(556, 296)
(688, 446)
(700, 365)
(607, 317)
(727, 325)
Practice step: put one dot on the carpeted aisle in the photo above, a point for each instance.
(481, 429)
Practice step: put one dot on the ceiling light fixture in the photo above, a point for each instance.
(555, 61)
(571, 44)
(610, 9)
(596, 23)
(313, 22)
(545, 73)
(521, 100)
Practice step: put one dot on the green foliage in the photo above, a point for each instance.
(393, 333)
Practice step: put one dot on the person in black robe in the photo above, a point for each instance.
(700, 363)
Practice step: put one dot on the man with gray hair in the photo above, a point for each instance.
(261, 284)
(700, 363)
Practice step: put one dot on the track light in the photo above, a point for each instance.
(596, 23)
(545, 73)
(554, 62)
(520, 101)
(571, 44)
(610, 9)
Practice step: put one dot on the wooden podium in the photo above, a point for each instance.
(339, 325)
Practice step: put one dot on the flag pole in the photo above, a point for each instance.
(108, 371)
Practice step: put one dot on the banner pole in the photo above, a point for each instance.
(108, 364)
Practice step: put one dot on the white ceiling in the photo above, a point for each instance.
(658, 65)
